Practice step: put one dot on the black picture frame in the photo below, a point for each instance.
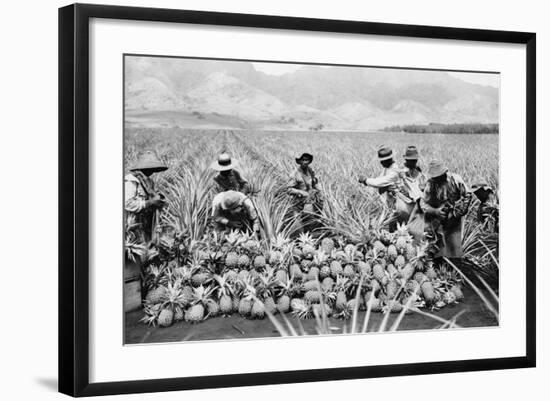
(74, 198)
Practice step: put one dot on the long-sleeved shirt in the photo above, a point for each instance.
(137, 190)
(247, 216)
(302, 181)
(414, 182)
(389, 183)
(231, 181)
(448, 232)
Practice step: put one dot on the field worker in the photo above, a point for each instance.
(390, 186)
(141, 201)
(228, 179)
(445, 202)
(302, 185)
(414, 179)
(232, 210)
(487, 210)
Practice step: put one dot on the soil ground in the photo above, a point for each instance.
(236, 327)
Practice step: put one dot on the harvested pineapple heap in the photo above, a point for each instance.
(238, 274)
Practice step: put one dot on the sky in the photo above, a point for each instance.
(472, 77)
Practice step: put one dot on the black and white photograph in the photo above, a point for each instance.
(266, 199)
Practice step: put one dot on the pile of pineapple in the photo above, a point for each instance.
(306, 277)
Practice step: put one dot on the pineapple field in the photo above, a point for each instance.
(347, 275)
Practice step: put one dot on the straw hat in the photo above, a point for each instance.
(384, 153)
(149, 161)
(224, 163)
(411, 153)
(231, 200)
(305, 156)
(436, 169)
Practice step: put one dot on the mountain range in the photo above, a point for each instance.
(234, 94)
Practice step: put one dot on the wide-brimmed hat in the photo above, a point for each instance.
(436, 169)
(231, 200)
(149, 161)
(224, 163)
(384, 153)
(481, 185)
(306, 156)
(411, 153)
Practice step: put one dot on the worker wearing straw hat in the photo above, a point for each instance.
(445, 202)
(487, 210)
(302, 185)
(141, 201)
(414, 179)
(232, 210)
(228, 179)
(390, 185)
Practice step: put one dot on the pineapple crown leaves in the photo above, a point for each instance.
(223, 285)
(320, 257)
(281, 243)
(151, 314)
(306, 239)
(202, 295)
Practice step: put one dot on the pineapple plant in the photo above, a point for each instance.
(201, 298)
(225, 293)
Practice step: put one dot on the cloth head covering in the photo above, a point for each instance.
(149, 161)
(436, 169)
(481, 185)
(231, 200)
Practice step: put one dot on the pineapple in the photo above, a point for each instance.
(410, 251)
(349, 271)
(341, 300)
(270, 306)
(313, 273)
(379, 248)
(392, 289)
(392, 252)
(245, 306)
(305, 264)
(195, 313)
(449, 297)
(428, 292)
(457, 291)
(336, 268)
(324, 272)
(311, 285)
(166, 317)
(379, 273)
(258, 310)
(226, 304)
(313, 297)
(420, 277)
(201, 278)
(364, 268)
(283, 304)
(301, 309)
(281, 276)
(375, 304)
(327, 245)
(213, 308)
(431, 273)
(296, 272)
(327, 284)
(236, 301)
(307, 245)
(393, 306)
(243, 275)
(392, 271)
(232, 259)
(320, 309)
(400, 261)
(156, 295)
(275, 257)
(259, 262)
(406, 272)
(412, 286)
(244, 261)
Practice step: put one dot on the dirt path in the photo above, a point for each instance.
(237, 327)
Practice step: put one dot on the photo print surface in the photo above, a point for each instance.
(267, 199)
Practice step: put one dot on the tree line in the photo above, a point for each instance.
(437, 128)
